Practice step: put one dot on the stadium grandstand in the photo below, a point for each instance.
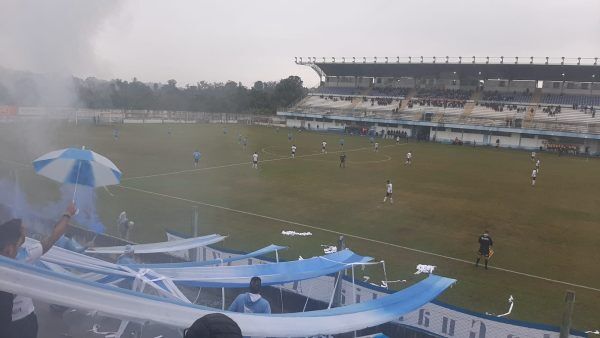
(530, 103)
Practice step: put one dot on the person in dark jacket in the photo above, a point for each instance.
(214, 325)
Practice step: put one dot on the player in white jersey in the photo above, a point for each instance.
(533, 155)
(408, 158)
(255, 160)
(533, 177)
(397, 139)
(537, 165)
(324, 147)
(388, 192)
(376, 147)
(294, 151)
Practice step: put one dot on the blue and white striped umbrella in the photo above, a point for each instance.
(78, 166)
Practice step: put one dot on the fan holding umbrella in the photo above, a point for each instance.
(78, 167)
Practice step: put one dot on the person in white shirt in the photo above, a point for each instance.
(376, 147)
(388, 192)
(408, 158)
(537, 165)
(255, 160)
(294, 151)
(533, 155)
(324, 147)
(21, 321)
(397, 139)
(533, 177)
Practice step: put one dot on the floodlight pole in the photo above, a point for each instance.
(337, 292)
(565, 326)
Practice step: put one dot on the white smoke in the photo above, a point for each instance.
(52, 36)
(49, 42)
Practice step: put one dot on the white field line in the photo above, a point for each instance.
(248, 163)
(354, 236)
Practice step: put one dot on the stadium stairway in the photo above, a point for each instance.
(409, 96)
(535, 101)
(470, 105)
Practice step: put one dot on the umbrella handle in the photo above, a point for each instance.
(76, 181)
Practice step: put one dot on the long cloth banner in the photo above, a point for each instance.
(61, 289)
(260, 252)
(182, 244)
(220, 276)
(276, 273)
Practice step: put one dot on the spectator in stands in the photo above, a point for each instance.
(17, 316)
(128, 256)
(251, 302)
(125, 225)
(213, 325)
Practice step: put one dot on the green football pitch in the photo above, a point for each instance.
(545, 238)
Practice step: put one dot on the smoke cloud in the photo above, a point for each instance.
(51, 38)
(39, 218)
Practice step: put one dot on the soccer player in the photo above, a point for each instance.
(116, 134)
(245, 142)
(408, 158)
(224, 130)
(239, 138)
(289, 137)
(376, 147)
(485, 248)
(196, 157)
(533, 177)
(343, 160)
(342, 143)
(324, 147)
(397, 139)
(533, 155)
(294, 151)
(255, 160)
(388, 192)
(537, 165)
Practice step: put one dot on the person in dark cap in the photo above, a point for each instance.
(214, 325)
(251, 302)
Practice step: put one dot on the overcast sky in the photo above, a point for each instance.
(249, 40)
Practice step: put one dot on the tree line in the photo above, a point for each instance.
(27, 89)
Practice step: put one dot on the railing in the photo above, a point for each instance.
(458, 119)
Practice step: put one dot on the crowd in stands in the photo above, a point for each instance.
(396, 133)
(585, 109)
(500, 107)
(429, 102)
(336, 98)
(552, 110)
(394, 92)
(506, 97)
(579, 100)
(448, 94)
(563, 148)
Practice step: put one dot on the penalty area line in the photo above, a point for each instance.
(353, 236)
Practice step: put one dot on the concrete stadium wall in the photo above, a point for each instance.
(513, 141)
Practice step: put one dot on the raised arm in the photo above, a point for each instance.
(59, 229)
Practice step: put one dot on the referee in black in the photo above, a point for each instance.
(485, 247)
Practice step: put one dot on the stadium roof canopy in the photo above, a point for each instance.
(483, 71)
